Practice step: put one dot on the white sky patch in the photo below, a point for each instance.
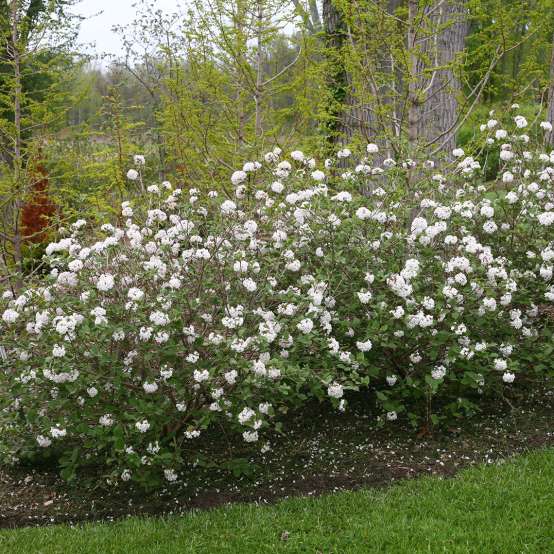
(102, 15)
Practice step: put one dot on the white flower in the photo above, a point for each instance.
(132, 174)
(294, 265)
(297, 155)
(106, 420)
(249, 284)
(343, 196)
(126, 210)
(264, 407)
(135, 294)
(392, 416)
(43, 442)
(99, 313)
(159, 318)
(507, 177)
(170, 475)
(150, 388)
(75, 265)
(105, 282)
(546, 125)
(92, 392)
(240, 266)
(318, 175)
(512, 197)
(250, 227)
(428, 303)
(363, 213)
(305, 326)
(228, 207)
(443, 212)
(546, 272)
(201, 376)
(57, 433)
(238, 177)
(506, 349)
(139, 159)
(335, 390)
(365, 297)
(364, 346)
(283, 168)
(506, 155)
(500, 364)
(10, 316)
(458, 152)
(58, 351)
(231, 376)
(246, 415)
(372, 148)
(142, 426)
(521, 122)
(398, 312)
(391, 380)
(489, 304)
(438, 373)
(271, 157)
(419, 224)
(490, 227)
(277, 187)
(546, 218)
(250, 436)
(508, 377)
(487, 211)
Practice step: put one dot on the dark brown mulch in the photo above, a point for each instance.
(321, 452)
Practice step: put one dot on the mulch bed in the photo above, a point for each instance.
(321, 452)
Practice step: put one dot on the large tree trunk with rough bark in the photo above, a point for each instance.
(435, 38)
(372, 118)
(441, 102)
(354, 113)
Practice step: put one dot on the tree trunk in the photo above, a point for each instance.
(17, 156)
(550, 115)
(440, 109)
(435, 37)
(259, 69)
(414, 75)
(314, 16)
(337, 79)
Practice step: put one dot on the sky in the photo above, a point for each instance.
(106, 13)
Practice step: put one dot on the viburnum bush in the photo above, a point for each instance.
(431, 290)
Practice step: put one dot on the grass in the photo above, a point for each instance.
(503, 508)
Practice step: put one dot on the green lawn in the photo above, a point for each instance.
(505, 509)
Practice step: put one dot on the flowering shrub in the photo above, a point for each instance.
(430, 290)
